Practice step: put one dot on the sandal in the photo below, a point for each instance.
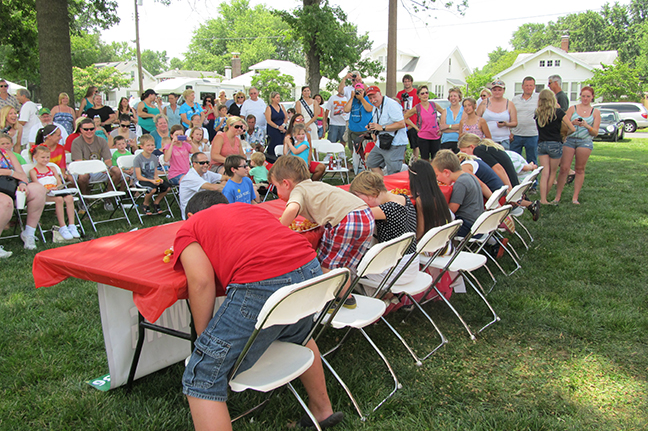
(157, 209)
(147, 210)
(331, 421)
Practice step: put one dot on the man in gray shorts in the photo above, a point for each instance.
(89, 146)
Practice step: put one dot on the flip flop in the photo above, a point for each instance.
(147, 210)
(575, 202)
(331, 421)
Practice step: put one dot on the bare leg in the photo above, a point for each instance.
(582, 155)
(545, 177)
(313, 380)
(60, 211)
(565, 164)
(69, 206)
(319, 172)
(84, 183)
(209, 415)
(379, 171)
(159, 197)
(35, 203)
(6, 210)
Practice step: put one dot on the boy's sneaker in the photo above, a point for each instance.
(73, 230)
(534, 209)
(65, 233)
(350, 302)
(29, 240)
(4, 253)
(108, 206)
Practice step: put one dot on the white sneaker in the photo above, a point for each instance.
(4, 253)
(29, 240)
(73, 230)
(65, 233)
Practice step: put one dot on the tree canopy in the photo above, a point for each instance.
(254, 32)
(268, 81)
(618, 82)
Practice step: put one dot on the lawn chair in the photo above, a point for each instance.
(283, 362)
(465, 262)
(337, 152)
(379, 258)
(94, 167)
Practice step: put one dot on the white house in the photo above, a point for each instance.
(575, 69)
(440, 69)
(244, 82)
(176, 73)
(129, 69)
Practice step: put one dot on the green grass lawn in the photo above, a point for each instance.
(570, 352)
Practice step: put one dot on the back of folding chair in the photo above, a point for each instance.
(437, 238)
(489, 221)
(87, 167)
(279, 150)
(518, 191)
(384, 255)
(493, 201)
(533, 175)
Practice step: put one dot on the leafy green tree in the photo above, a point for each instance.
(254, 32)
(268, 81)
(104, 78)
(328, 40)
(88, 49)
(155, 61)
(618, 82)
(176, 63)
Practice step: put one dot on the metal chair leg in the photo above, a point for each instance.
(397, 384)
(345, 387)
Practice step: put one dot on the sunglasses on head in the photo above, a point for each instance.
(238, 126)
(87, 130)
(203, 163)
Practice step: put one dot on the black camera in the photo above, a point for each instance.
(358, 92)
(405, 97)
(354, 76)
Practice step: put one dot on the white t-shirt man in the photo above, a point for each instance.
(192, 183)
(390, 112)
(335, 106)
(256, 108)
(34, 131)
(525, 111)
(28, 113)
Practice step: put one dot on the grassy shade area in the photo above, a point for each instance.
(570, 352)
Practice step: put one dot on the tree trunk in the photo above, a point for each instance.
(313, 75)
(54, 50)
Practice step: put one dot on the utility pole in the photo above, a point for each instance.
(392, 44)
(137, 47)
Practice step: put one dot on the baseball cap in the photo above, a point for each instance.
(43, 111)
(497, 83)
(359, 85)
(372, 90)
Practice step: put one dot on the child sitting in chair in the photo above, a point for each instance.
(51, 180)
(146, 174)
(239, 187)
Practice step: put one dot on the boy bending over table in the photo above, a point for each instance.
(347, 220)
(249, 276)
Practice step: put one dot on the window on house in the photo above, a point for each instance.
(557, 63)
(132, 74)
(542, 63)
(573, 93)
(549, 63)
(381, 59)
(518, 88)
(449, 65)
(438, 90)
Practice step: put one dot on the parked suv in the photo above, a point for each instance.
(634, 115)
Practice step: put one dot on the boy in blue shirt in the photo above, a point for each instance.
(239, 188)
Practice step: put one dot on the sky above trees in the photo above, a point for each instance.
(485, 25)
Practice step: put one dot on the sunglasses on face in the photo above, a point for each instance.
(422, 93)
(124, 125)
(238, 126)
(243, 166)
(3, 86)
(87, 130)
(203, 163)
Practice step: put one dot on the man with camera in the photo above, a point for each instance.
(388, 126)
(348, 90)
(409, 99)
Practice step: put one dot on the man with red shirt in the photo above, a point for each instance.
(409, 99)
(219, 250)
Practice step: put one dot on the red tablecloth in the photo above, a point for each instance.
(401, 181)
(133, 260)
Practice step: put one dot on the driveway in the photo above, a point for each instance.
(636, 135)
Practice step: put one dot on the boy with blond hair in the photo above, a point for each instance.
(466, 201)
(347, 221)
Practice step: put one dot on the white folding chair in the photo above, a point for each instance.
(379, 258)
(315, 144)
(465, 262)
(72, 191)
(337, 152)
(84, 167)
(278, 150)
(126, 162)
(515, 195)
(25, 155)
(283, 362)
(493, 201)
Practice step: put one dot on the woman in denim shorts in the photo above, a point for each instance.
(550, 148)
(586, 119)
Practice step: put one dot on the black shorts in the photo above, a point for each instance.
(152, 187)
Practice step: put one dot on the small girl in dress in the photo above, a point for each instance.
(470, 122)
(99, 130)
(395, 215)
(51, 180)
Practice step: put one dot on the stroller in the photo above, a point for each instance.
(362, 146)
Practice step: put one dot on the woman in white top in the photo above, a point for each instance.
(308, 107)
(499, 113)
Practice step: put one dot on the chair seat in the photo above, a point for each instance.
(517, 212)
(422, 282)
(337, 170)
(466, 261)
(280, 364)
(105, 195)
(367, 311)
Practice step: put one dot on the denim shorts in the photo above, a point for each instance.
(219, 346)
(579, 143)
(553, 149)
(175, 181)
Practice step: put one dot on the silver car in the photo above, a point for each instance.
(634, 115)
